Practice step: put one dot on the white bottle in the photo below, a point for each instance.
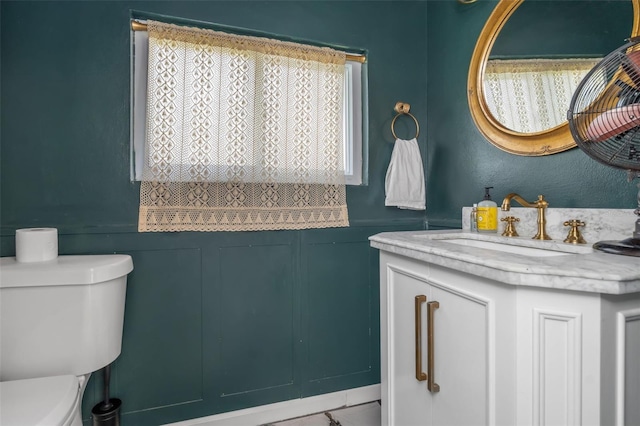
(473, 220)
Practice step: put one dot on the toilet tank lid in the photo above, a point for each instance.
(64, 270)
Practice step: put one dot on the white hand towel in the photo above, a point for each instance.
(404, 185)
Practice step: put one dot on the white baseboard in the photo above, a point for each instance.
(288, 409)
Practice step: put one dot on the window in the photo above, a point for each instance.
(354, 110)
(243, 133)
(353, 123)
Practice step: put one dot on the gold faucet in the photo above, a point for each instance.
(541, 204)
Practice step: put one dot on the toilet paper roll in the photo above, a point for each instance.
(36, 244)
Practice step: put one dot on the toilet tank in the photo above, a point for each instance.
(62, 316)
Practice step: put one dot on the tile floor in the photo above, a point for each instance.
(358, 415)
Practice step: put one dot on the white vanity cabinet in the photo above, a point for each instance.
(473, 344)
(515, 339)
(578, 357)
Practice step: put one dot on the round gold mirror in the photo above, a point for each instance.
(495, 102)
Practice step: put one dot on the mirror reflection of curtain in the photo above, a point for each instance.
(532, 95)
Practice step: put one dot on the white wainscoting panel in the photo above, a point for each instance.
(627, 367)
(557, 355)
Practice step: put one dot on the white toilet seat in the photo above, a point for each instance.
(44, 401)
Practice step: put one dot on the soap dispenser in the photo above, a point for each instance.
(487, 214)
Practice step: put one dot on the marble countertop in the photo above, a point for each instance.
(580, 268)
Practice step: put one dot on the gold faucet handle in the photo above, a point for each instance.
(574, 236)
(510, 228)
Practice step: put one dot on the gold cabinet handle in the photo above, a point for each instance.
(431, 383)
(420, 375)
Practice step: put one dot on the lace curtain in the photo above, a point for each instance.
(243, 134)
(531, 95)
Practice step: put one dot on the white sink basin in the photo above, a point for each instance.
(518, 245)
(509, 248)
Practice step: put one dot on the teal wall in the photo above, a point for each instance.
(214, 321)
(222, 321)
(65, 97)
(460, 161)
(589, 29)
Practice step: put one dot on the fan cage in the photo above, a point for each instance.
(604, 113)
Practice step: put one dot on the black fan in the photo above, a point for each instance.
(604, 118)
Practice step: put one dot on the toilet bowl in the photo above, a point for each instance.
(60, 320)
(43, 401)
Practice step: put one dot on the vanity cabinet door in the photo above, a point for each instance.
(461, 338)
(405, 398)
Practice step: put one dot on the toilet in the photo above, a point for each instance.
(60, 320)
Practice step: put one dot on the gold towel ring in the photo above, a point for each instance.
(403, 109)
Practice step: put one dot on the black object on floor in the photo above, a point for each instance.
(107, 413)
(332, 421)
